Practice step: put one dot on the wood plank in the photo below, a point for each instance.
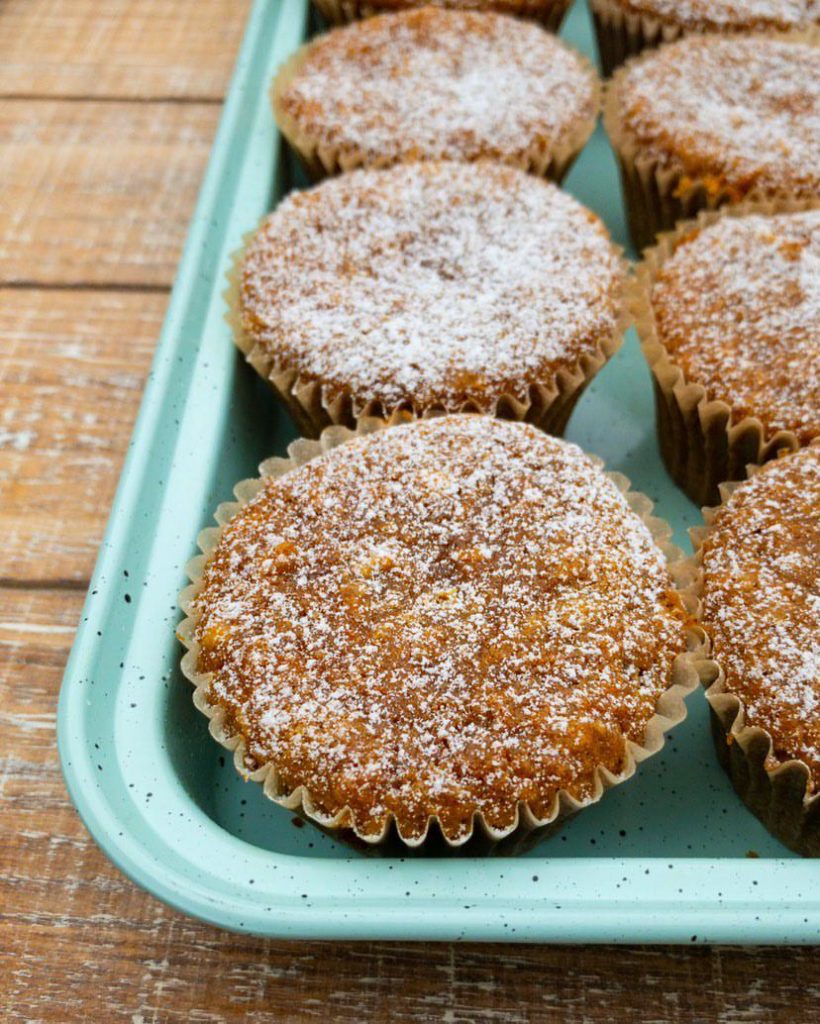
(70, 382)
(79, 941)
(98, 193)
(119, 48)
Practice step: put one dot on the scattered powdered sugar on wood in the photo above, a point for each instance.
(746, 110)
(730, 14)
(762, 602)
(441, 84)
(450, 615)
(738, 308)
(431, 282)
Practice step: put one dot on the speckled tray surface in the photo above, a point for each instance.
(673, 856)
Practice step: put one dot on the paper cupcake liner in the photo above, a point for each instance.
(321, 160)
(315, 404)
(660, 192)
(780, 797)
(703, 441)
(623, 34)
(549, 13)
(688, 670)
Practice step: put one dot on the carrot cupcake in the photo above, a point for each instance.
(708, 121)
(728, 311)
(759, 559)
(429, 287)
(626, 27)
(457, 624)
(437, 84)
(550, 13)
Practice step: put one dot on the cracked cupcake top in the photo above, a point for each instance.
(442, 618)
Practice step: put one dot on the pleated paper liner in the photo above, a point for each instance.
(703, 441)
(780, 797)
(549, 13)
(622, 34)
(315, 404)
(660, 194)
(689, 669)
(322, 161)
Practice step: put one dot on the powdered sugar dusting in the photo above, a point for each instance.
(431, 283)
(746, 110)
(451, 615)
(441, 84)
(730, 14)
(762, 602)
(738, 308)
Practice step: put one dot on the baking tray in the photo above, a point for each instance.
(671, 857)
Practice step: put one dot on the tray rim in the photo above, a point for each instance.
(665, 917)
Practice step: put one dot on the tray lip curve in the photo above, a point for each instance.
(595, 920)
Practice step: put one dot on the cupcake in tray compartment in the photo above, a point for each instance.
(550, 13)
(433, 84)
(728, 311)
(709, 121)
(430, 287)
(457, 627)
(626, 27)
(758, 558)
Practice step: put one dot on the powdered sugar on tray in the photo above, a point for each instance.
(746, 109)
(431, 283)
(737, 306)
(441, 84)
(731, 14)
(451, 615)
(762, 605)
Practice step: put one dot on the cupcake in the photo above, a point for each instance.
(433, 84)
(759, 558)
(456, 627)
(711, 120)
(429, 287)
(549, 12)
(626, 27)
(728, 312)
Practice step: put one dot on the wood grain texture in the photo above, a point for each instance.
(70, 381)
(98, 193)
(149, 49)
(78, 941)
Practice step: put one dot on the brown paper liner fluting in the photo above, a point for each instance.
(315, 405)
(549, 13)
(622, 34)
(660, 191)
(688, 671)
(780, 797)
(702, 440)
(321, 160)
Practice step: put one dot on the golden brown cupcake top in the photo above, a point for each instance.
(739, 115)
(431, 284)
(444, 617)
(439, 84)
(737, 307)
(762, 606)
(727, 15)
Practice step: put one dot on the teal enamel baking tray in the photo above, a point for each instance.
(671, 857)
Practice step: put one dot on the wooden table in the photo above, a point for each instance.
(107, 110)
